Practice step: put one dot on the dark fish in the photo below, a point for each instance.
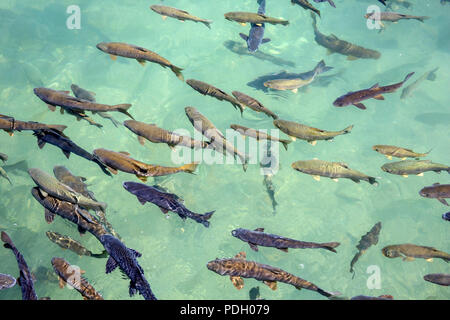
(375, 92)
(165, 201)
(417, 167)
(411, 251)
(446, 216)
(437, 191)
(66, 242)
(253, 104)
(125, 259)
(256, 35)
(438, 278)
(238, 268)
(9, 124)
(367, 240)
(25, 280)
(66, 145)
(257, 238)
(90, 96)
(306, 5)
(209, 90)
(334, 44)
(71, 275)
(6, 281)
(142, 55)
(70, 212)
(5, 175)
(382, 1)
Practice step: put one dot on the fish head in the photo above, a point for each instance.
(60, 172)
(190, 111)
(386, 168)
(238, 233)
(277, 122)
(220, 266)
(390, 252)
(42, 93)
(425, 192)
(102, 46)
(340, 102)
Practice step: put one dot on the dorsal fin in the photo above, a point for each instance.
(259, 229)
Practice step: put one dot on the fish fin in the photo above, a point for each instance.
(376, 85)
(164, 210)
(404, 158)
(49, 216)
(335, 180)
(124, 152)
(61, 110)
(241, 255)
(141, 200)
(61, 283)
(360, 106)
(420, 174)
(43, 193)
(259, 229)
(243, 36)
(177, 72)
(190, 168)
(389, 157)
(113, 57)
(408, 259)
(81, 230)
(404, 175)
(243, 24)
(112, 170)
(253, 246)
(317, 178)
(271, 284)
(429, 260)
(142, 178)
(379, 97)
(293, 138)
(51, 107)
(41, 143)
(443, 201)
(141, 62)
(283, 249)
(352, 58)
(265, 40)
(66, 153)
(163, 17)
(295, 90)
(313, 143)
(355, 180)
(238, 282)
(436, 184)
(135, 253)
(111, 265)
(141, 140)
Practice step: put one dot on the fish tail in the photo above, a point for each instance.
(104, 254)
(102, 166)
(123, 108)
(328, 294)
(205, 217)
(408, 76)
(285, 23)
(285, 143)
(330, 246)
(207, 23)
(59, 128)
(189, 168)
(373, 181)
(422, 18)
(348, 129)
(177, 72)
(7, 240)
(321, 67)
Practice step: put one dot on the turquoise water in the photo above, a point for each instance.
(37, 49)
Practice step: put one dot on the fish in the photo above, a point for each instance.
(407, 91)
(3, 157)
(239, 267)
(209, 90)
(334, 44)
(382, 297)
(78, 184)
(304, 132)
(411, 251)
(256, 35)
(446, 216)
(68, 211)
(438, 278)
(7, 281)
(155, 134)
(332, 170)
(256, 18)
(121, 161)
(66, 145)
(9, 125)
(258, 135)
(242, 50)
(294, 84)
(53, 187)
(90, 96)
(392, 17)
(398, 152)
(54, 98)
(25, 280)
(257, 237)
(417, 167)
(305, 4)
(258, 83)
(5, 175)
(165, 201)
(375, 92)
(126, 259)
(142, 55)
(217, 140)
(329, 1)
(366, 241)
(66, 242)
(269, 164)
(68, 274)
(437, 191)
(253, 104)
(181, 15)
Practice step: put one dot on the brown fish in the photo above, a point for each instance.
(438, 278)
(9, 125)
(71, 275)
(411, 251)
(66, 242)
(398, 152)
(306, 5)
(334, 44)
(258, 135)
(209, 90)
(255, 18)
(181, 15)
(142, 55)
(253, 104)
(238, 268)
(123, 162)
(3, 157)
(367, 240)
(437, 191)
(375, 92)
(392, 17)
(155, 134)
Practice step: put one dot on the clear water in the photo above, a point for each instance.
(37, 49)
